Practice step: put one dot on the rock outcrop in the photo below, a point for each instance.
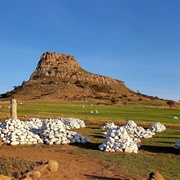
(65, 66)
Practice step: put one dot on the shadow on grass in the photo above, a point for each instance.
(166, 137)
(165, 142)
(102, 178)
(98, 136)
(94, 127)
(159, 149)
(91, 146)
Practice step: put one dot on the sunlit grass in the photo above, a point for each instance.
(156, 153)
(118, 114)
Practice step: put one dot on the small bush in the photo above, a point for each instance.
(100, 88)
(113, 100)
(125, 96)
(80, 84)
(170, 103)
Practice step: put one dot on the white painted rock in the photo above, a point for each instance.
(49, 131)
(108, 126)
(157, 127)
(177, 145)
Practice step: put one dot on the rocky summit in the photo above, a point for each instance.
(60, 77)
(64, 66)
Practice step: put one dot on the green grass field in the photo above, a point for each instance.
(107, 113)
(156, 153)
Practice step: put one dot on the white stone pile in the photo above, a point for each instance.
(55, 133)
(126, 138)
(72, 123)
(69, 123)
(96, 112)
(108, 126)
(137, 131)
(118, 139)
(157, 127)
(15, 132)
(33, 131)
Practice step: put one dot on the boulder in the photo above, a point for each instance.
(34, 174)
(3, 177)
(155, 176)
(52, 165)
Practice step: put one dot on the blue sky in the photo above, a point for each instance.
(136, 41)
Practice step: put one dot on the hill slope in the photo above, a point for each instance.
(60, 77)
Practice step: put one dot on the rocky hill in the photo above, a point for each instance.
(64, 66)
(60, 77)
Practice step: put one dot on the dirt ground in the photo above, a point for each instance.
(71, 166)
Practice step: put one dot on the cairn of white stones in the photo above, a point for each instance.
(126, 138)
(157, 127)
(118, 140)
(49, 131)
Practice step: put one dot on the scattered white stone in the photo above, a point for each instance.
(175, 118)
(91, 112)
(96, 111)
(104, 132)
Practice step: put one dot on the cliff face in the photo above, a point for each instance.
(56, 65)
(66, 67)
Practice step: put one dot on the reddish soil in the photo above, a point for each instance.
(72, 166)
